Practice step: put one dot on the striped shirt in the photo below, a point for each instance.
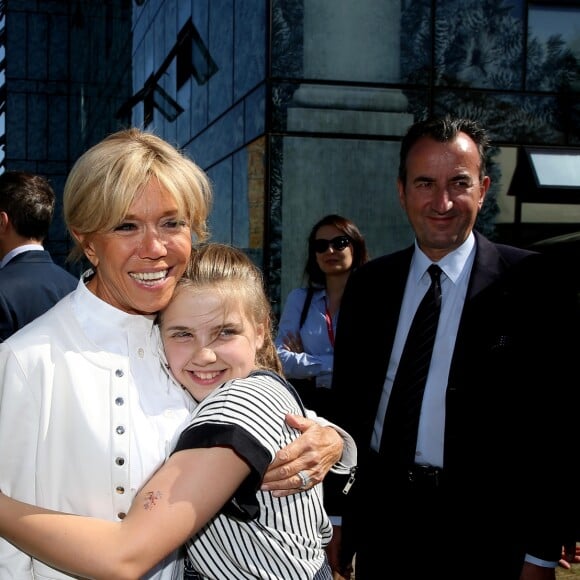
(257, 535)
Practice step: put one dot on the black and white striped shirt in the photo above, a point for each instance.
(257, 535)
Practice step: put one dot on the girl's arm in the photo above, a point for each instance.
(188, 490)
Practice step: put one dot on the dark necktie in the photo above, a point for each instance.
(401, 423)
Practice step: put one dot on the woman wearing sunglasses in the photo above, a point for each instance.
(305, 339)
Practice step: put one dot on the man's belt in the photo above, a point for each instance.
(425, 476)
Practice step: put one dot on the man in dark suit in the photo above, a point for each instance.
(478, 496)
(30, 282)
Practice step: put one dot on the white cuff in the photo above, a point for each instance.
(538, 562)
(349, 452)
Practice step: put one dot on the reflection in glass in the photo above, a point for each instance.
(553, 62)
(556, 168)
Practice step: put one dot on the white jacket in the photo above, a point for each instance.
(75, 433)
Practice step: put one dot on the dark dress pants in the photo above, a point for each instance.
(428, 528)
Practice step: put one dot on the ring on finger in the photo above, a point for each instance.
(305, 478)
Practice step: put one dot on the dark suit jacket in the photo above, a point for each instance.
(29, 285)
(513, 382)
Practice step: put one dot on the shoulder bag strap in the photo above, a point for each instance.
(305, 308)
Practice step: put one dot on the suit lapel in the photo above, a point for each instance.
(486, 267)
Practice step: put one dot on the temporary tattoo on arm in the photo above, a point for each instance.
(151, 498)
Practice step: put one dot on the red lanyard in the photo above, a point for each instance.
(329, 326)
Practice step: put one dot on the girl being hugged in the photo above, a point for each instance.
(218, 344)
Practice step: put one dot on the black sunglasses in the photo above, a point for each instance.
(339, 243)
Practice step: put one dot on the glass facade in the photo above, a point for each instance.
(296, 108)
(68, 70)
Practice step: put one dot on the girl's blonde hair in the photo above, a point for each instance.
(231, 273)
(105, 180)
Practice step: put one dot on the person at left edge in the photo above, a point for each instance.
(87, 413)
(30, 282)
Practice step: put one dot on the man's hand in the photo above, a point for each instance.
(313, 453)
(570, 555)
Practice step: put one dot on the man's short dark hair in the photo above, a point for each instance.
(444, 129)
(29, 201)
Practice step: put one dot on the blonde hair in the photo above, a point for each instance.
(105, 180)
(231, 273)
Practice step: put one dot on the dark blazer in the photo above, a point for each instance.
(511, 388)
(29, 285)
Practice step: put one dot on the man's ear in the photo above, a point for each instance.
(485, 183)
(4, 221)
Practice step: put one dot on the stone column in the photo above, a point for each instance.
(354, 41)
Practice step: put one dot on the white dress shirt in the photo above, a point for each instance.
(456, 267)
